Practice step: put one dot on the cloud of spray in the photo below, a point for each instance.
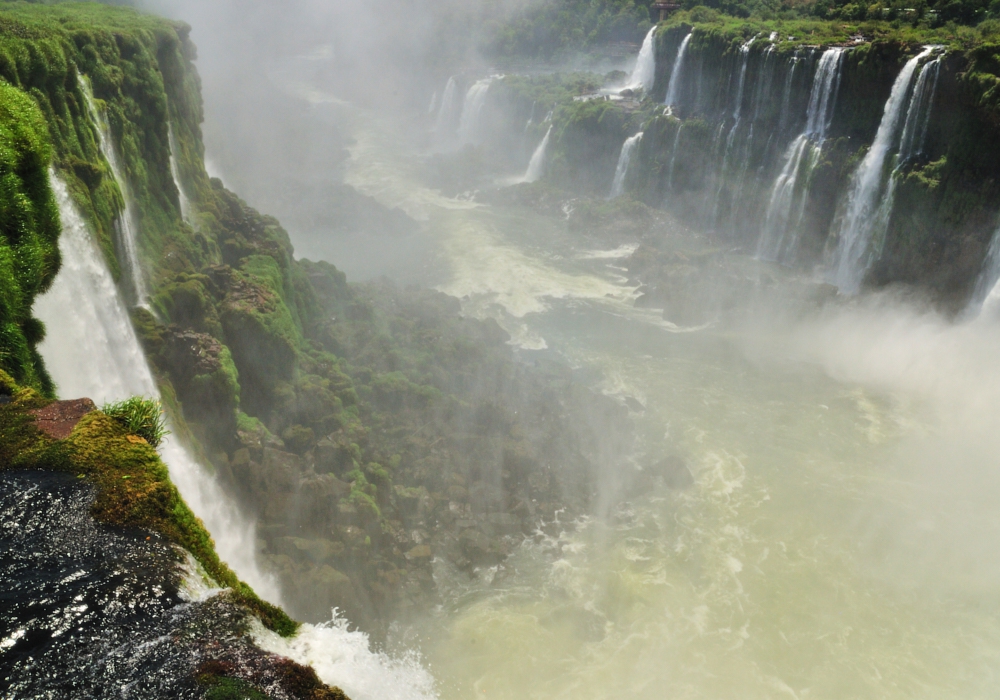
(942, 476)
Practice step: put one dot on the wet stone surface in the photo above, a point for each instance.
(85, 611)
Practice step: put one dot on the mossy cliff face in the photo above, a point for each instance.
(138, 67)
(370, 429)
(742, 99)
(29, 233)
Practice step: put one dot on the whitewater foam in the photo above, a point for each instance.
(344, 658)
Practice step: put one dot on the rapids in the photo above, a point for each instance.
(839, 538)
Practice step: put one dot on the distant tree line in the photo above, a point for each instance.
(552, 28)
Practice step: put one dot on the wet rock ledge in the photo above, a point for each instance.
(111, 586)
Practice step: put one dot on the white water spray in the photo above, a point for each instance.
(344, 658)
(854, 253)
(536, 167)
(624, 160)
(97, 354)
(475, 100)
(644, 72)
(673, 88)
(789, 192)
(127, 229)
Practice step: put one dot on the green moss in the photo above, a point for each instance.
(29, 231)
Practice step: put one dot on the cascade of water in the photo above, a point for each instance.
(447, 110)
(176, 172)
(475, 99)
(725, 166)
(537, 164)
(864, 218)
(628, 148)
(645, 66)
(918, 114)
(677, 73)
(800, 158)
(97, 354)
(127, 238)
(432, 107)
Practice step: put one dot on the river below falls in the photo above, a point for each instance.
(841, 536)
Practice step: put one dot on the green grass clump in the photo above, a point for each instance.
(140, 416)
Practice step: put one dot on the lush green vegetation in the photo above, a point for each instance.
(29, 233)
(554, 28)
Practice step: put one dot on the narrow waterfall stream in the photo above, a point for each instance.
(97, 354)
(175, 171)
(621, 171)
(677, 73)
(536, 167)
(127, 241)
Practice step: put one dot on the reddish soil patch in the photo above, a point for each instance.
(58, 419)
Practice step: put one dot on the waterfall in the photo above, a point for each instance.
(175, 170)
(744, 60)
(800, 158)
(673, 157)
(432, 107)
(475, 99)
(645, 66)
(986, 295)
(864, 218)
(918, 114)
(724, 167)
(125, 225)
(673, 87)
(447, 110)
(93, 351)
(537, 164)
(628, 148)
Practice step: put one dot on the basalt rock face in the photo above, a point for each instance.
(723, 157)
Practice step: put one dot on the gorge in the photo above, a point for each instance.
(660, 373)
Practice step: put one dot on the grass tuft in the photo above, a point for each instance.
(140, 416)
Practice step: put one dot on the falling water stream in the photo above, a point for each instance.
(677, 73)
(127, 241)
(839, 540)
(645, 65)
(864, 217)
(624, 160)
(93, 351)
(536, 167)
(787, 193)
